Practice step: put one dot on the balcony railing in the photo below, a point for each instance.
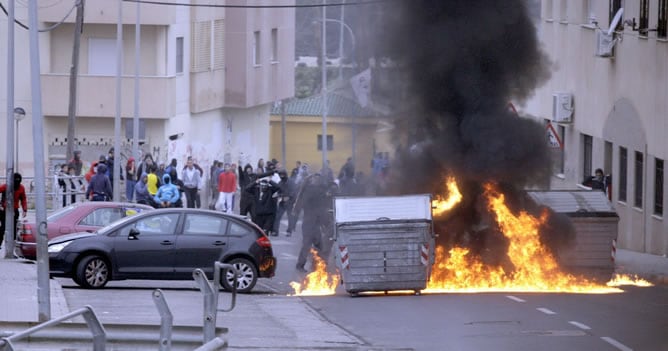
(106, 12)
(96, 96)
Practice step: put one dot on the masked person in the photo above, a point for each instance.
(264, 204)
(168, 194)
(99, 188)
(19, 199)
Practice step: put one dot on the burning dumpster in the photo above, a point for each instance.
(595, 222)
(384, 243)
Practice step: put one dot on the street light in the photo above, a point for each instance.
(19, 114)
(352, 39)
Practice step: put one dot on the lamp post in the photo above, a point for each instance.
(323, 21)
(19, 114)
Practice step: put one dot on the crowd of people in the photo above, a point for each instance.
(265, 193)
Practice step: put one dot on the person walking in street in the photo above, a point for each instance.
(99, 188)
(313, 200)
(130, 179)
(19, 200)
(282, 201)
(191, 183)
(246, 178)
(264, 204)
(227, 186)
(292, 189)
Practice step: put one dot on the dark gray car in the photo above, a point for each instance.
(166, 244)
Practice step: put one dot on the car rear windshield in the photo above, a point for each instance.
(60, 213)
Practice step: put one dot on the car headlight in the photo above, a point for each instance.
(55, 248)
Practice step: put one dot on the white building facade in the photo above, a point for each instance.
(608, 103)
(207, 76)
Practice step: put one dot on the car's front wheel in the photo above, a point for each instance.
(246, 276)
(92, 272)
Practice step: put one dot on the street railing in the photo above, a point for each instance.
(94, 325)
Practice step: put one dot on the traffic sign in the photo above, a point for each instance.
(553, 140)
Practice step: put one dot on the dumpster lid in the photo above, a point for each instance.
(575, 202)
(371, 208)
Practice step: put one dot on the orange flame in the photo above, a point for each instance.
(531, 266)
(441, 205)
(318, 282)
(625, 279)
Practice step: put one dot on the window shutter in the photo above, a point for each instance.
(201, 47)
(218, 44)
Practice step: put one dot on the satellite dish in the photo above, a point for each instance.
(615, 20)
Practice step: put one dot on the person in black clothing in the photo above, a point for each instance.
(315, 198)
(246, 177)
(179, 184)
(282, 201)
(292, 189)
(99, 188)
(264, 204)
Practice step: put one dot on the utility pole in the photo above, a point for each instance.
(9, 213)
(343, 9)
(74, 73)
(43, 291)
(117, 120)
(323, 63)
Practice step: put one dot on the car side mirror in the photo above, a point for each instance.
(133, 234)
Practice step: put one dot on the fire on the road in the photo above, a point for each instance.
(318, 282)
(533, 267)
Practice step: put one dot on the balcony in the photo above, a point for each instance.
(106, 12)
(96, 96)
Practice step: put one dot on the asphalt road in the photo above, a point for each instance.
(636, 319)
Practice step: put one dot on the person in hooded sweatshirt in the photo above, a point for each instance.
(19, 199)
(99, 188)
(168, 194)
(142, 196)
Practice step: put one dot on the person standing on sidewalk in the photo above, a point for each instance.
(130, 179)
(191, 183)
(227, 186)
(99, 188)
(19, 199)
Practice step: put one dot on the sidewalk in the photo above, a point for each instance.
(259, 321)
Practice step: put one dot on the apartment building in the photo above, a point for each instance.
(607, 103)
(207, 77)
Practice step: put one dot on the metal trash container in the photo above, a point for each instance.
(596, 226)
(384, 243)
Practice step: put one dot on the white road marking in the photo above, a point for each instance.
(287, 255)
(516, 299)
(580, 325)
(616, 343)
(545, 310)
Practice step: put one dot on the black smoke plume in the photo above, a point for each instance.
(457, 65)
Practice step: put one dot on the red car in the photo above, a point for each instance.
(78, 217)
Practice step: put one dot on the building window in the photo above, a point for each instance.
(587, 144)
(658, 186)
(274, 45)
(218, 44)
(622, 173)
(330, 142)
(200, 47)
(663, 19)
(643, 21)
(637, 193)
(615, 5)
(179, 55)
(256, 48)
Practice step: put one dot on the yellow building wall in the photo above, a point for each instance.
(301, 134)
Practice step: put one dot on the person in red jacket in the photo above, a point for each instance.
(227, 186)
(19, 198)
